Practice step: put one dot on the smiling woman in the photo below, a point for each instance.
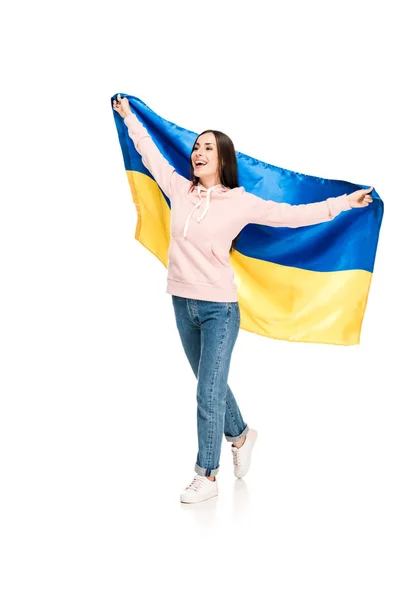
(201, 279)
(206, 170)
(217, 155)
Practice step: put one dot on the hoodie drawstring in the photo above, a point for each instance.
(189, 217)
(197, 205)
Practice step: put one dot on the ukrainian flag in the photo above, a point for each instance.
(308, 284)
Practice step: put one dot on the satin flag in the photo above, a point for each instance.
(308, 284)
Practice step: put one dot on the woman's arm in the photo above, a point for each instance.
(281, 214)
(165, 174)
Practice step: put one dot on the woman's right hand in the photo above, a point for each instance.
(360, 198)
(121, 105)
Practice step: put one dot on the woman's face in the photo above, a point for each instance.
(205, 150)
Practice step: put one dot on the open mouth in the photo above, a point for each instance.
(199, 164)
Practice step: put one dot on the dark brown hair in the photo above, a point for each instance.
(227, 165)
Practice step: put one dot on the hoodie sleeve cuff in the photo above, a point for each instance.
(338, 204)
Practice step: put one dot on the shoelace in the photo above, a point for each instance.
(195, 484)
(236, 456)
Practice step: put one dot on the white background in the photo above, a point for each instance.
(98, 409)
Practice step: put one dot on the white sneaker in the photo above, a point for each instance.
(242, 455)
(199, 489)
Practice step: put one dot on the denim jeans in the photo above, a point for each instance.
(208, 331)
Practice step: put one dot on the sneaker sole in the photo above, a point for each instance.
(194, 501)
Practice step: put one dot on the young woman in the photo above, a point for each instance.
(207, 214)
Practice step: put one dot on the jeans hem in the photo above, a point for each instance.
(206, 472)
(237, 437)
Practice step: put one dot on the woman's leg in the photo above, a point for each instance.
(189, 331)
(219, 328)
(235, 428)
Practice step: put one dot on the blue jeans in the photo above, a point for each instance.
(208, 331)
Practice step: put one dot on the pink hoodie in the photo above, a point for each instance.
(205, 221)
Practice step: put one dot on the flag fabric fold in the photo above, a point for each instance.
(308, 284)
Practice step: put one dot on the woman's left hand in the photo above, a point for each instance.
(360, 198)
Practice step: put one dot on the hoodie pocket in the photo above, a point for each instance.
(219, 259)
(188, 264)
